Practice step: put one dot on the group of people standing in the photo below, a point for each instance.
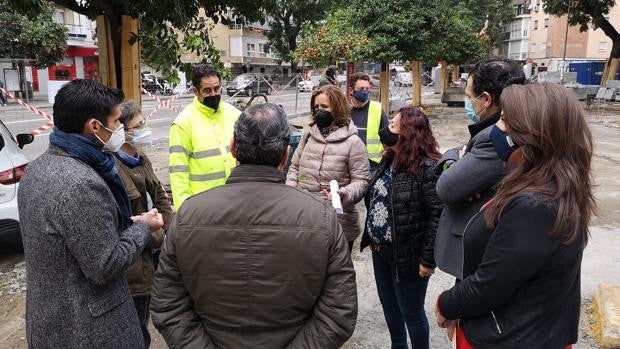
(254, 257)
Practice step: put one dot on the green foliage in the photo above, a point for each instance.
(331, 41)
(486, 15)
(167, 27)
(287, 18)
(42, 41)
(424, 30)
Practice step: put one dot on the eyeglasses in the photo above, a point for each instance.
(138, 126)
(210, 90)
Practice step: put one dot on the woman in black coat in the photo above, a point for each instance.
(403, 214)
(523, 250)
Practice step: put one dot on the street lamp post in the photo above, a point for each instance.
(565, 42)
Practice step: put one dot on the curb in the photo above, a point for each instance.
(606, 316)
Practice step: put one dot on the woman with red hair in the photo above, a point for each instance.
(403, 214)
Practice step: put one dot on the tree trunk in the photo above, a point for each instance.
(444, 76)
(130, 61)
(416, 83)
(611, 66)
(455, 72)
(384, 90)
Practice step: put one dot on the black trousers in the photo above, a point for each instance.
(143, 305)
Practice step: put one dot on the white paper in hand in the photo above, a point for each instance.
(333, 188)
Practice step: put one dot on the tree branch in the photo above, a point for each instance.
(609, 30)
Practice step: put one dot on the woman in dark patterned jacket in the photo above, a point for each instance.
(403, 214)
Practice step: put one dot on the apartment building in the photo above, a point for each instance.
(243, 49)
(550, 38)
(515, 35)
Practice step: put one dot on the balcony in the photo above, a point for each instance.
(80, 33)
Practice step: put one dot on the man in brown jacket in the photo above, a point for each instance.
(255, 263)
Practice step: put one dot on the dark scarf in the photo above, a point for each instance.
(88, 150)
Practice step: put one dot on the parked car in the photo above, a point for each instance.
(306, 86)
(163, 86)
(249, 84)
(12, 166)
(149, 82)
(402, 79)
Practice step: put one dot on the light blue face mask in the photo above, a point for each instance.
(469, 110)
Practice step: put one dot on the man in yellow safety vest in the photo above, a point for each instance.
(200, 138)
(367, 116)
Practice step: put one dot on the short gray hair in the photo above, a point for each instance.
(262, 135)
(129, 110)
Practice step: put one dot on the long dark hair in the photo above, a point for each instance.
(549, 124)
(415, 141)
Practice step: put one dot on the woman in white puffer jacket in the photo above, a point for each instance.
(330, 149)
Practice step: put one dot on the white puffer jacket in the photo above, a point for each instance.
(340, 156)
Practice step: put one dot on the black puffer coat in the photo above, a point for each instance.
(415, 209)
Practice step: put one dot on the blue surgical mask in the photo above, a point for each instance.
(141, 137)
(361, 95)
(469, 110)
(503, 144)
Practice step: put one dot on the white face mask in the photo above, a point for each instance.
(142, 136)
(116, 139)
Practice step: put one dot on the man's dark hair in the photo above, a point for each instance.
(492, 75)
(331, 71)
(262, 135)
(80, 100)
(129, 110)
(356, 77)
(204, 70)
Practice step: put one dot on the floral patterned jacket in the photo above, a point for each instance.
(413, 211)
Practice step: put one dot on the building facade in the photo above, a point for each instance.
(515, 35)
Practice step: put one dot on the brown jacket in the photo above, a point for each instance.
(340, 156)
(255, 264)
(140, 181)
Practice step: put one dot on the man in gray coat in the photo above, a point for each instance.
(469, 173)
(255, 263)
(79, 236)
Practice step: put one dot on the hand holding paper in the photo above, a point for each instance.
(333, 188)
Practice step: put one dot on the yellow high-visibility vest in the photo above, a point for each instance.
(374, 148)
(200, 157)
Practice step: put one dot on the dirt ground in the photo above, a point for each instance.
(371, 332)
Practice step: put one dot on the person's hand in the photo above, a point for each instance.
(152, 218)
(326, 194)
(462, 151)
(425, 272)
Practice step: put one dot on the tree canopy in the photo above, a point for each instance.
(332, 40)
(287, 18)
(42, 42)
(425, 30)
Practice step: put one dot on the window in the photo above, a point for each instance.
(533, 48)
(261, 50)
(546, 22)
(535, 24)
(59, 17)
(602, 46)
(543, 46)
(251, 50)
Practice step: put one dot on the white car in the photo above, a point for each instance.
(12, 166)
(305, 86)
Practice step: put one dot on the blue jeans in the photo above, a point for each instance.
(403, 304)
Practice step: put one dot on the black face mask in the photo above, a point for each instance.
(503, 144)
(323, 118)
(212, 101)
(387, 137)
